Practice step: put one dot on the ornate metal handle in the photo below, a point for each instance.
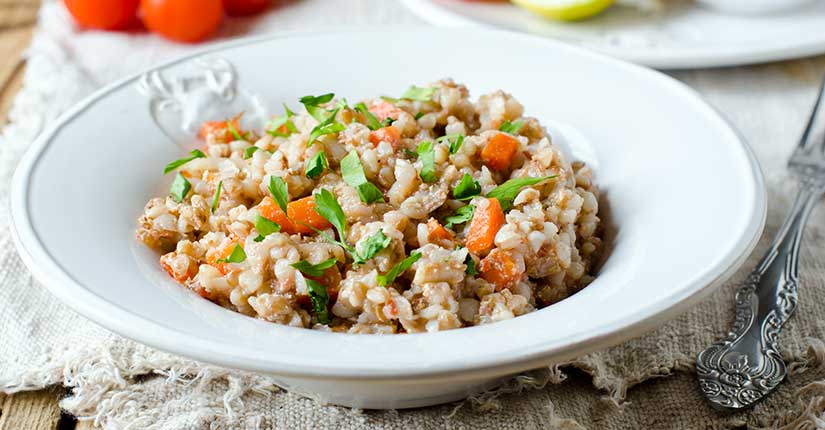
(743, 367)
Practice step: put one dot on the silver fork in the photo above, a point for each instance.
(740, 369)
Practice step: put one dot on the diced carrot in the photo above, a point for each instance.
(191, 269)
(222, 252)
(436, 233)
(300, 213)
(220, 129)
(499, 152)
(499, 269)
(486, 222)
(271, 211)
(390, 134)
(383, 109)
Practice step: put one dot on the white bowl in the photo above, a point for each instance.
(750, 7)
(682, 192)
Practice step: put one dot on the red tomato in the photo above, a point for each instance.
(103, 14)
(182, 20)
(245, 7)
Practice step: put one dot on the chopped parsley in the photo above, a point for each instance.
(217, 199)
(197, 153)
(388, 121)
(461, 215)
(314, 270)
(285, 121)
(418, 115)
(455, 141)
(372, 121)
(327, 206)
(353, 174)
(233, 131)
(372, 246)
(398, 269)
(419, 94)
(471, 265)
(279, 191)
(247, 152)
(180, 188)
(426, 154)
(507, 192)
(265, 227)
(467, 188)
(237, 256)
(327, 126)
(316, 165)
(311, 104)
(511, 127)
(320, 300)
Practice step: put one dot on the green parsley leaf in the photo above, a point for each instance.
(327, 206)
(455, 141)
(316, 165)
(389, 99)
(353, 173)
(233, 131)
(507, 192)
(461, 215)
(320, 300)
(398, 269)
(511, 127)
(265, 227)
(372, 246)
(279, 191)
(180, 188)
(420, 94)
(426, 154)
(372, 121)
(274, 125)
(467, 188)
(388, 121)
(289, 113)
(327, 126)
(217, 198)
(314, 270)
(247, 152)
(311, 103)
(342, 104)
(411, 154)
(237, 256)
(471, 265)
(418, 115)
(180, 162)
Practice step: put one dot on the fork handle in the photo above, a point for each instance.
(743, 367)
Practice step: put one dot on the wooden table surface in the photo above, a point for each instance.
(36, 410)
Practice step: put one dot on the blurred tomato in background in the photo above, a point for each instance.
(103, 14)
(186, 21)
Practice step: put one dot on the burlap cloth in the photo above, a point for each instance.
(645, 383)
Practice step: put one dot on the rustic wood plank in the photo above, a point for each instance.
(12, 44)
(86, 425)
(35, 410)
(7, 93)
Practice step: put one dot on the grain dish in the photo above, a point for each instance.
(420, 213)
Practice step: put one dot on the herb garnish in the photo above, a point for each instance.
(275, 124)
(327, 126)
(372, 246)
(507, 192)
(217, 198)
(461, 215)
(388, 121)
(279, 191)
(320, 299)
(419, 94)
(511, 127)
(418, 115)
(455, 141)
(237, 256)
(467, 188)
(265, 227)
(353, 173)
(197, 153)
(316, 165)
(471, 265)
(327, 206)
(233, 131)
(398, 269)
(314, 270)
(180, 188)
(247, 152)
(372, 121)
(426, 154)
(311, 103)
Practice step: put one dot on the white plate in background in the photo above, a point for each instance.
(682, 35)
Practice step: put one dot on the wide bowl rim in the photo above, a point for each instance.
(134, 326)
